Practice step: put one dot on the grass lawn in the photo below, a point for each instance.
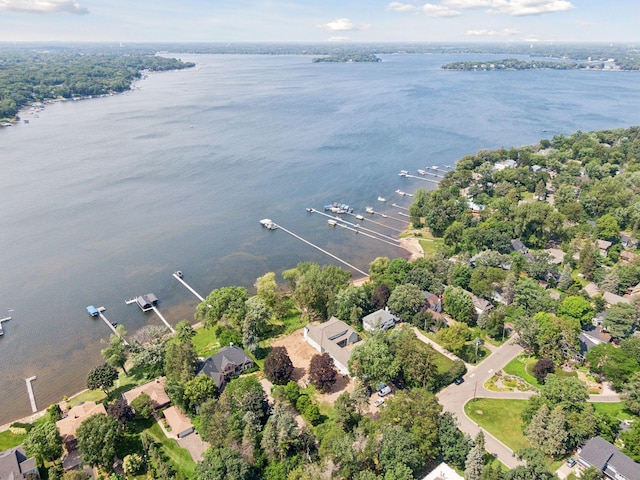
(518, 367)
(180, 457)
(430, 245)
(206, 341)
(501, 418)
(443, 363)
(88, 396)
(616, 410)
(9, 440)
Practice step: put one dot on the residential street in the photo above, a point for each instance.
(454, 397)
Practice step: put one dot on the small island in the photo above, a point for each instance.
(515, 64)
(349, 58)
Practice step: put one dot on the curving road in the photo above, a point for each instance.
(454, 397)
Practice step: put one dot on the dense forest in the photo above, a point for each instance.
(348, 58)
(36, 76)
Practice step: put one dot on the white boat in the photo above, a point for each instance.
(422, 172)
(369, 210)
(382, 199)
(332, 223)
(268, 224)
(404, 173)
(359, 217)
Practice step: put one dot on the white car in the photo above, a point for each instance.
(378, 402)
(386, 390)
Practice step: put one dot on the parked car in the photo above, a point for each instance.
(458, 380)
(571, 462)
(384, 389)
(378, 402)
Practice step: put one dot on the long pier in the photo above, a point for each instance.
(110, 325)
(163, 319)
(180, 279)
(320, 249)
(399, 206)
(5, 319)
(32, 397)
(358, 228)
(408, 175)
(365, 219)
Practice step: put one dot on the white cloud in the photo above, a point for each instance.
(513, 7)
(339, 39)
(493, 33)
(339, 25)
(42, 6)
(429, 9)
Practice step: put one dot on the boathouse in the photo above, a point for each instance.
(147, 302)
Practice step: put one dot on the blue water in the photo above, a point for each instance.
(101, 200)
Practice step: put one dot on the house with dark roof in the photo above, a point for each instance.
(227, 362)
(334, 337)
(14, 464)
(380, 320)
(518, 246)
(614, 464)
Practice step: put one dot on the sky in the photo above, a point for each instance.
(320, 20)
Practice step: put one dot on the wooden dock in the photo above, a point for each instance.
(110, 325)
(408, 175)
(321, 250)
(155, 309)
(359, 229)
(399, 206)
(32, 397)
(188, 287)
(5, 319)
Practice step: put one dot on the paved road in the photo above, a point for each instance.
(454, 397)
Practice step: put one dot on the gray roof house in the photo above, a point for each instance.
(612, 462)
(518, 246)
(228, 361)
(380, 320)
(433, 302)
(14, 464)
(334, 337)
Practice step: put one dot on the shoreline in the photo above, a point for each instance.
(409, 244)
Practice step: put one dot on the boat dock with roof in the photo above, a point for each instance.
(5, 319)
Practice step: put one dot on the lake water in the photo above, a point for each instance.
(102, 200)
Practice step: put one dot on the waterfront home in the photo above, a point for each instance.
(72, 419)
(613, 464)
(443, 472)
(229, 361)
(334, 337)
(154, 389)
(15, 464)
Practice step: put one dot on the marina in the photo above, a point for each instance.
(405, 173)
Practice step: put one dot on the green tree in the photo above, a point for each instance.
(455, 337)
(612, 363)
(576, 307)
(475, 459)
(184, 331)
(607, 228)
(350, 304)
(566, 279)
(417, 360)
(180, 361)
(227, 303)
(536, 431)
(267, 289)
(534, 469)
(531, 297)
(631, 439)
(280, 434)
(556, 434)
(223, 464)
(400, 454)
(620, 320)
(589, 260)
(373, 361)
(199, 389)
(454, 445)
(406, 301)
(631, 393)
(97, 437)
(44, 442)
(102, 377)
(132, 464)
(120, 411)
(458, 304)
(116, 353)
(143, 406)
